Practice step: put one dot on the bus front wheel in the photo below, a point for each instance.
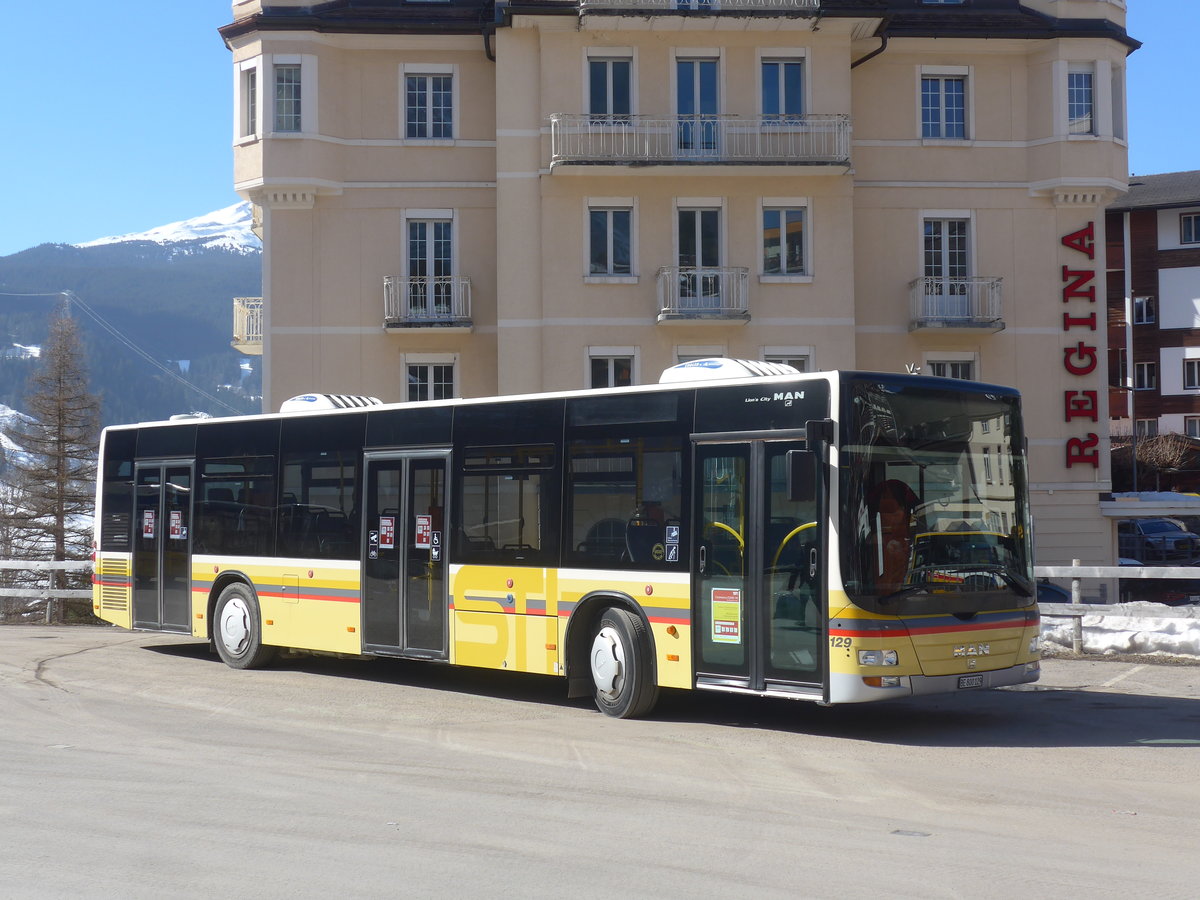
(621, 666)
(237, 630)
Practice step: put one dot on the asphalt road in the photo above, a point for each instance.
(137, 765)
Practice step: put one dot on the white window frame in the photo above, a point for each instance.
(679, 54)
(1191, 426)
(786, 203)
(247, 98)
(430, 359)
(1145, 376)
(610, 54)
(1088, 69)
(951, 357)
(633, 354)
(784, 55)
(429, 215)
(1108, 112)
(784, 354)
(1145, 428)
(1191, 367)
(308, 93)
(431, 69)
(967, 74)
(610, 203)
(1145, 310)
(1194, 218)
(698, 204)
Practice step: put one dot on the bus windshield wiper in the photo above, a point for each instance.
(904, 592)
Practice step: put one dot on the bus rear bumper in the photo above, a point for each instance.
(845, 688)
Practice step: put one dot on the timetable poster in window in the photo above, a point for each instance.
(726, 616)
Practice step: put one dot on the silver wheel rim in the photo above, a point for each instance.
(235, 625)
(608, 663)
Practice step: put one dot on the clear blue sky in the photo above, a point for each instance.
(116, 117)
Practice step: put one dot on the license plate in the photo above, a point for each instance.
(970, 681)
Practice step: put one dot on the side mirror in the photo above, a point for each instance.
(801, 475)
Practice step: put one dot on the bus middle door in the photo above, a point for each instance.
(404, 566)
(162, 569)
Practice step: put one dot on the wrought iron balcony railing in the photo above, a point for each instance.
(708, 292)
(420, 301)
(973, 302)
(681, 140)
(701, 6)
(248, 325)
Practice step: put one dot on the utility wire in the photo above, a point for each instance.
(72, 297)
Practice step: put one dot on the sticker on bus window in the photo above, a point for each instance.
(423, 535)
(387, 532)
(726, 616)
(177, 532)
(147, 523)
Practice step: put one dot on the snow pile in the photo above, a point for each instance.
(227, 228)
(1140, 633)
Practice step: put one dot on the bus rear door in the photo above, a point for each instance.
(162, 547)
(759, 581)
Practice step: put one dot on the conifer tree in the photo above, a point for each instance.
(57, 469)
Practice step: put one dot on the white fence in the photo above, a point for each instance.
(46, 592)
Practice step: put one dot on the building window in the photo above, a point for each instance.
(1191, 374)
(249, 91)
(1146, 428)
(782, 88)
(287, 97)
(953, 368)
(1189, 228)
(799, 362)
(1191, 426)
(697, 102)
(430, 381)
(1145, 376)
(430, 266)
(1144, 312)
(1081, 102)
(429, 106)
(610, 89)
(946, 267)
(610, 371)
(944, 106)
(783, 242)
(610, 241)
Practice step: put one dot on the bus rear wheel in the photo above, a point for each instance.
(237, 629)
(622, 666)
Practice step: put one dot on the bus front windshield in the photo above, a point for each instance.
(934, 499)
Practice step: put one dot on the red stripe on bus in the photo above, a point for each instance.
(941, 629)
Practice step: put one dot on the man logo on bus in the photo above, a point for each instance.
(789, 396)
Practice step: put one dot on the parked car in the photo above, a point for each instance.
(1155, 539)
(1048, 592)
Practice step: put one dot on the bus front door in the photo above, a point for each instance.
(162, 547)
(760, 608)
(404, 563)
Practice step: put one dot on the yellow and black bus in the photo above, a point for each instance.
(837, 537)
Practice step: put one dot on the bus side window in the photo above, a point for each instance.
(504, 497)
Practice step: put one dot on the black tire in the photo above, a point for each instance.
(622, 667)
(237, 629)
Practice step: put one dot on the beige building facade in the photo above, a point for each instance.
(462, 199)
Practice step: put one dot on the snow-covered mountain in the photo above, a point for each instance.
(227, 229)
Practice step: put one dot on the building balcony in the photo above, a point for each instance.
(701, 6)
(703, 295)
(972, 304)
(601, 140)
(248, 325)
(420, 301)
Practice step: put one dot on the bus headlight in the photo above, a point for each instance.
(877, 658)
